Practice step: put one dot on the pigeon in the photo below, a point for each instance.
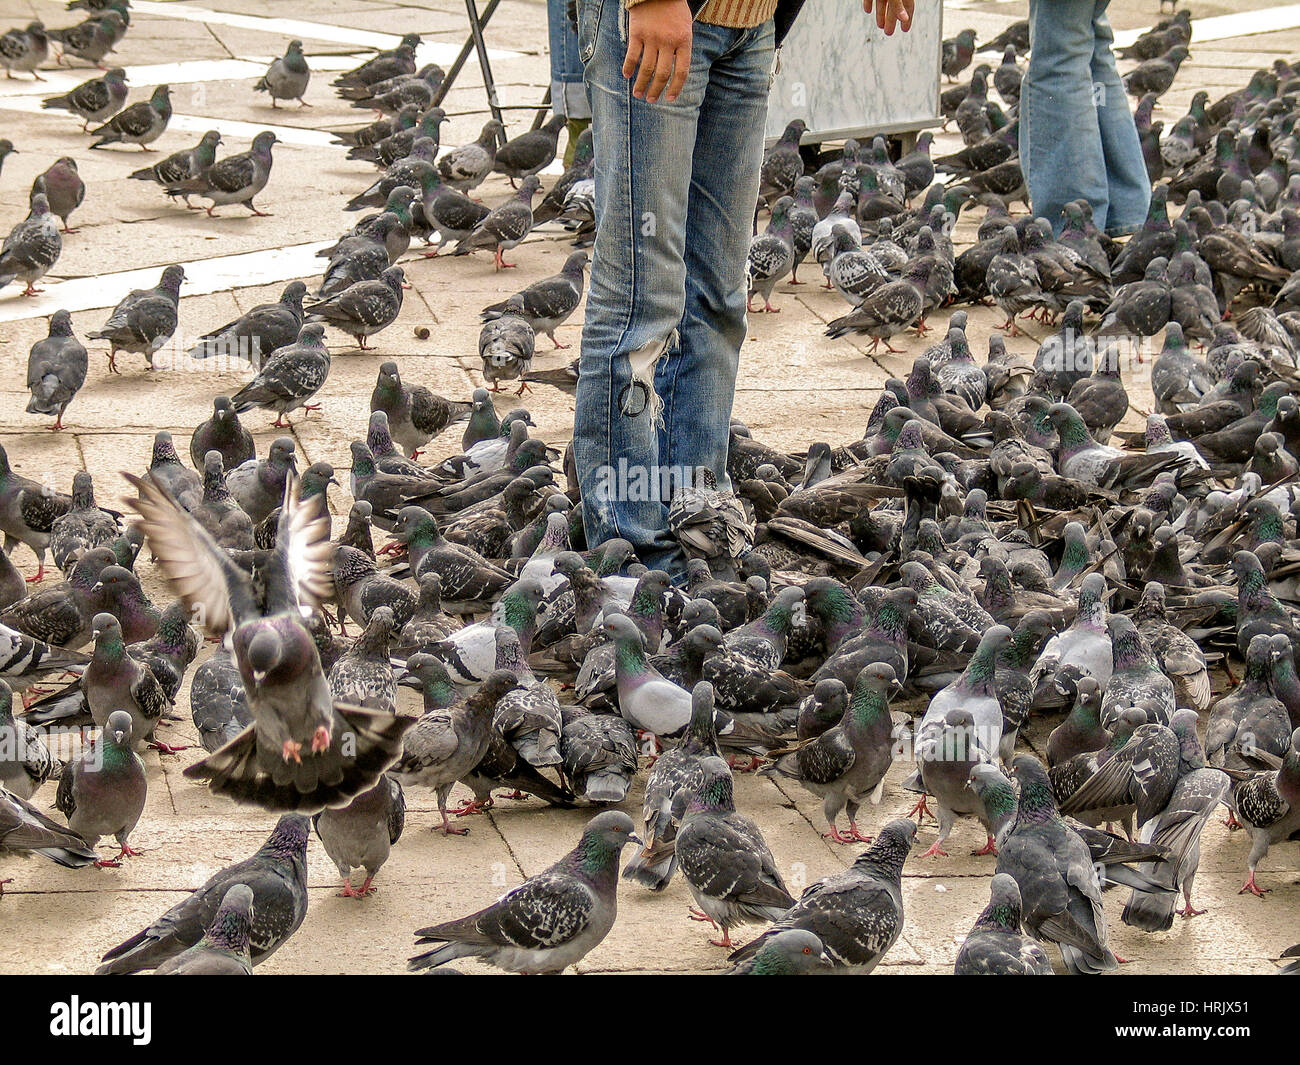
(294, 757)
(96, 100)
(102, 792)
(165, 468)
(505, 226)
(218, 705)
(549, 922)
(365, 308)
(142, 123)
(289, 377)
(415, 415)
(771, 255)
(277, 877)
(858, 913)
(287, 77)
(996, 946)
(264, 329)
(848, 762)
(235, 179)
(531, 152)
(464, 168)
(27, 512)
(224, 434)
(258, 485)
(359, 835)
(599, 754)
(363, 675)
(887, 310)
(56, 370)
(224, 948)
(1268, 807)
(1155, 75)
(450, 739)
(25, 761)
(725, 860)
(144, 320)
(792, 952)
(24, 49)
(1059, 888)
(782, 163)
(957, 53)
(63, 188)
(31, 248)
(548, 304)
(385, 64)
(92, 39)
(24, 829)
(1177, 826)
(505, 346)
(183, 167)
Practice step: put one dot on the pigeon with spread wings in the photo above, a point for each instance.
(304, 751)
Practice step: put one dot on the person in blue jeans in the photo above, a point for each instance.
(568, 94)
(1077, 137)
(678, 94)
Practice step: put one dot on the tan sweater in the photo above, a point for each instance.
(738, 14)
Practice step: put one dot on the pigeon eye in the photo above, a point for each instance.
(807, 950)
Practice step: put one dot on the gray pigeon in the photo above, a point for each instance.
(1052, 865)
(24, 829)
(166, 469)
(32, 247)
(218, 705)
(92, 39)
(847, 763)
(448, 741)
(183, 166)
(96, 100)
(359, 835)
(277, 877)
(235, 179)
(25, 761)
(142, 123)
(771, 255)
(547, 304)
(791, 952)
(1178, 827)
(415, 415)
(305, 751)
(223, 950)
(465, 168)
(505, 226)
(144, 320)
(1268, 807)
(996, 946)
(224, 434)
(102, 792)
(725, 860)
(363, 676)
(551, 920)
(505, 346)
(363, 309)
(56, 369)
(264, 329)
(24, 49)
(531, 152)
(287, 77)
(857, 914)
(289, 377)
(258, 485)
(599, 754)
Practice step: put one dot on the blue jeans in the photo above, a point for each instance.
(568, 96)
(676, 185)
(1077, 138)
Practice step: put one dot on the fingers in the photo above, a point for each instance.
(634, 49)
(680, 70)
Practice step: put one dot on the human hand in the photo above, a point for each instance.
(659, 48)
(891, 13)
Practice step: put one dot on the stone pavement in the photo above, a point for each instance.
(796, 386)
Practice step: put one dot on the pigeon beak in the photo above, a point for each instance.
(118, 735)
(259, 675)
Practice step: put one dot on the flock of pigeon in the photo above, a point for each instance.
(984, 550)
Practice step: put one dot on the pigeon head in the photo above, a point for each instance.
(117, 729)
(264, 652)
(702, 640)
(602, 841)
(878, 679)
(289, 837)
(1036, 800)
(791, 952)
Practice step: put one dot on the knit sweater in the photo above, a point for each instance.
(738, 14)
